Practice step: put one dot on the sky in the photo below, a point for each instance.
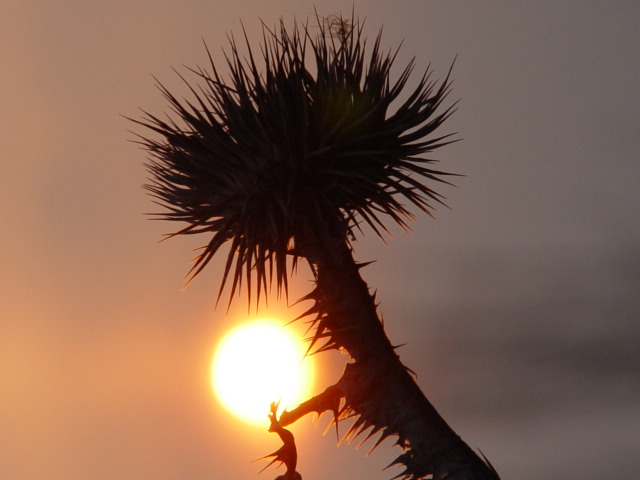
(518, 303)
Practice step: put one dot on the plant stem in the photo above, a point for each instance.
(378, 390)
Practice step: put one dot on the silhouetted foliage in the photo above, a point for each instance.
(285, 159)
(281, 145)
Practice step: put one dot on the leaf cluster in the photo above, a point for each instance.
(302, 137)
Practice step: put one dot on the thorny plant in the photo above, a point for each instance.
(286, 160)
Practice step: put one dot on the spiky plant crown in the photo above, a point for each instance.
(304, 135)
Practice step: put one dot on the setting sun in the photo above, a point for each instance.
(257, 363)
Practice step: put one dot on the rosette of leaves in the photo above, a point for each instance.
(303, 138)
(285, 158)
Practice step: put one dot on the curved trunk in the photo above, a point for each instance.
(376, 388)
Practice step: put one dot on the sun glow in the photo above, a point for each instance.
(257, 363)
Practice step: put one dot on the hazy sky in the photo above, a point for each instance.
(519, 304)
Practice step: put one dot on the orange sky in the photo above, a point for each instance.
(104, 360)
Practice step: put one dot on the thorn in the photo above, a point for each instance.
(364, 264)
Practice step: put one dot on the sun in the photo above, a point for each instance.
(259, 362)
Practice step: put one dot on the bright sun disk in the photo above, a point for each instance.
(257, 363)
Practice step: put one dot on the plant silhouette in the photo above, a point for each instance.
(286, 160)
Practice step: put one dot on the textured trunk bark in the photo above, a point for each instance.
(378, 390)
